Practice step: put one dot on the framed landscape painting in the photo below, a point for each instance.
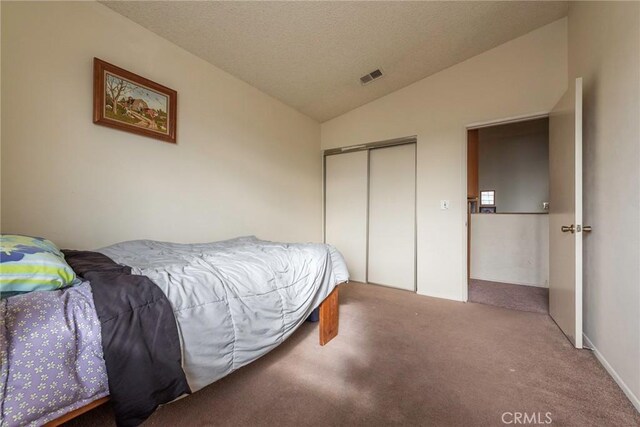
(126, 101)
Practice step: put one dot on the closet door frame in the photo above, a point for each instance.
(368, 147)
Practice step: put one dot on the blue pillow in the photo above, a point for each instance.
(32, 264)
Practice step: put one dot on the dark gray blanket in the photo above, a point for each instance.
(139, 337)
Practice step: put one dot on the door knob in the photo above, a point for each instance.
(571, 228)
(587, 229)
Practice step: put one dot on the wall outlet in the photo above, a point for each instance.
(444, 204)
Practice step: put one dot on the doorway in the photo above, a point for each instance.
(507, 215)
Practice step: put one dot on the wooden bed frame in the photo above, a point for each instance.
(328, 326)
(329, 317)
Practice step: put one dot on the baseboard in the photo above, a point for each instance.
(627, 391)
(512, 282)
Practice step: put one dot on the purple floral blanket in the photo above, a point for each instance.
(51, 358)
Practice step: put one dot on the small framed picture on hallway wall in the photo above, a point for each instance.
(126, 101)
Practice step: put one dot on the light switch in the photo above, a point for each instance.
(444, 204)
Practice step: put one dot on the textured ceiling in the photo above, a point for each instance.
(311, 55)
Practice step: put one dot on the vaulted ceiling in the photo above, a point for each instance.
(310, 55)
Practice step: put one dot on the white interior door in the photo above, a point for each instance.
(346, 209)
(565, 213)
(392, 207)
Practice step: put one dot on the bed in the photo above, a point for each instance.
(154, 321)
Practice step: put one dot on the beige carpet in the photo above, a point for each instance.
(514, 297)
(406, 359)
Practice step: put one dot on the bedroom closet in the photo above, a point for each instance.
(370, 210)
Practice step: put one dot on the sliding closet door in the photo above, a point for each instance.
(346, 209)
(392, 209)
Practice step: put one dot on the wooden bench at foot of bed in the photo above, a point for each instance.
(328, 330)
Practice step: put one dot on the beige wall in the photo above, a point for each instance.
(522, 77)
(511, 248)
(604, 49)
(513, 160)
(245, 163)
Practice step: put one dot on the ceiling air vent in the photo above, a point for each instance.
(368, 78)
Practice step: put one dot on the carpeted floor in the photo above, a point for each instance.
(515, 297)
(406, 359)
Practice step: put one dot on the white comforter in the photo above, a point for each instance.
(234, 300)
